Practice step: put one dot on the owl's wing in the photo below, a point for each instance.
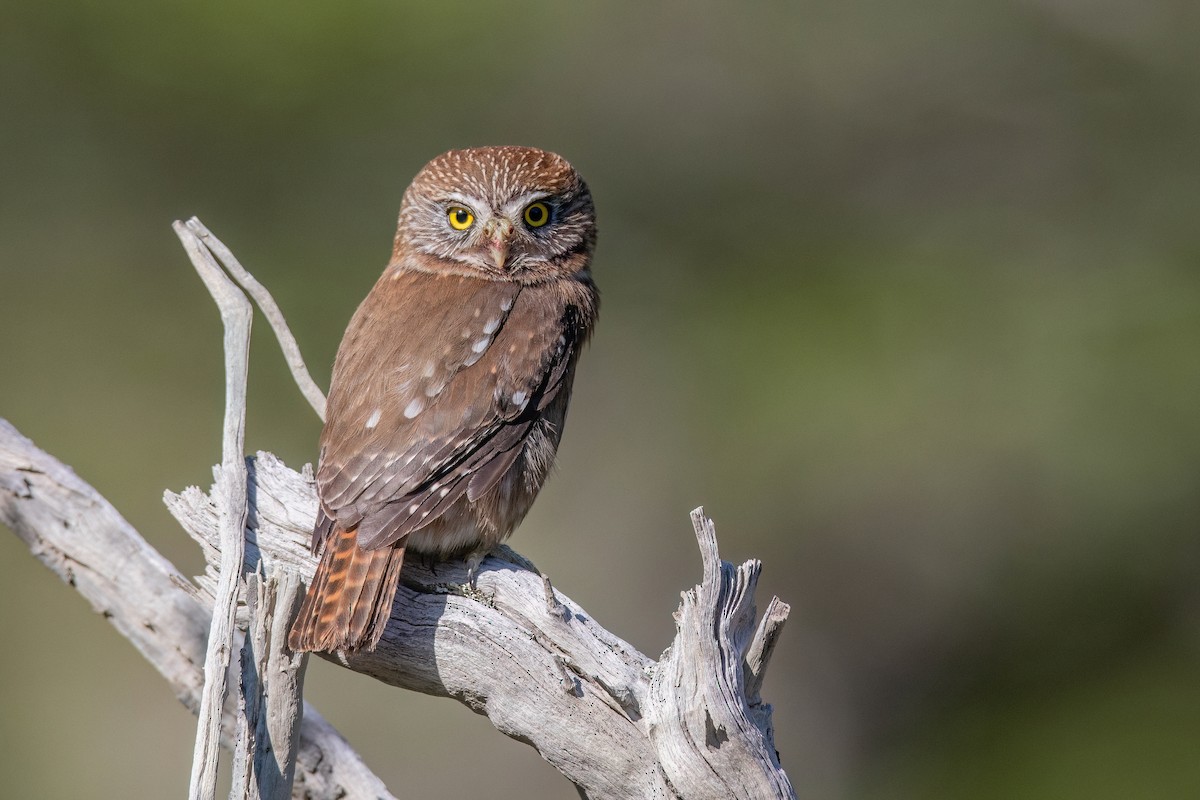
(437, 385)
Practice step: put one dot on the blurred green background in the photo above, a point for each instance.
(905, 294)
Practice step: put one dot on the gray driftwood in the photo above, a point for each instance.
(236, 315)
(272, 689)
(615, 722)
(270, 692)
(75, 532)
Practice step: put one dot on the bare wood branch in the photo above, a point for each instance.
(613, 721)
(272, 719)
(236, 316)
(576, 692)
(76, 533)
(718, 658)
(266, 303)
(609, 718)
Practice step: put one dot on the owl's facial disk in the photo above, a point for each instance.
(497, 213)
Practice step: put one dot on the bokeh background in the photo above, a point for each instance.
(906, 294)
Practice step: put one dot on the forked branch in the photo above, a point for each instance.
(236, 315)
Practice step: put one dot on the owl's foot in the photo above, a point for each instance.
(470, 589)
(473, 562)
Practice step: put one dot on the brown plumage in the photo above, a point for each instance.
(450, 387)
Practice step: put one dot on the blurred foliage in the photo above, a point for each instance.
(906, 294)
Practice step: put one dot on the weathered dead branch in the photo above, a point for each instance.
(75, 532)
(615, 722)
(612, 720)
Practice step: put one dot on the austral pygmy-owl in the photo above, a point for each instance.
(450, 387)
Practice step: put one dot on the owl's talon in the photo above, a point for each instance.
(473, 563)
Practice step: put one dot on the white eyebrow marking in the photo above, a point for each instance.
(373, 420)
(463, 200)
(518, 203)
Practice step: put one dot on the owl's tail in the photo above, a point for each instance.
(350, 597)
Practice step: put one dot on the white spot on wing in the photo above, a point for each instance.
(373, 420)
(414, 408)
(518, 398)
(481, 345)
(507, 304)
(491, 325)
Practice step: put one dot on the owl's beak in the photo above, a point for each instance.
(498, 231)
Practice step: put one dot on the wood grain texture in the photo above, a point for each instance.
(76, 533)
(236, 316)
(612, 720)
(272, 689)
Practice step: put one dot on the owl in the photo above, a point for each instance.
(450, 387)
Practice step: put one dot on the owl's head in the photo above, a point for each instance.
(504, 213)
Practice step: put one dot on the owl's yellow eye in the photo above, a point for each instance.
(460, 218)
(537, 214)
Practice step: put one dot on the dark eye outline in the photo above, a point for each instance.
(454, 216)
(538, 204)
